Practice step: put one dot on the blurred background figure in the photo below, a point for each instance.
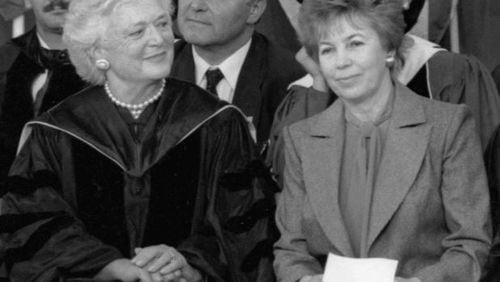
(139, 177)
(382, 172)
(10, 11)
(35, 74)
(279, 22)
(222, 53)
(462, 26)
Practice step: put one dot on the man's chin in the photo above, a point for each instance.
(56, 30)
(197, 39)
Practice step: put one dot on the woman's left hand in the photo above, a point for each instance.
(165, 263)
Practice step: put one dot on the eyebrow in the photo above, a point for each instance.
(350, 37)
(354, 35)
(160, 17)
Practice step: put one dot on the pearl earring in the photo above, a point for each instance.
(389, 61)
(406, 4)
(102, 64)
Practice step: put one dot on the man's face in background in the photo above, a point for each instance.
(49, 14)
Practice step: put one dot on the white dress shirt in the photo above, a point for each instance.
(41, 78)
(230, 68)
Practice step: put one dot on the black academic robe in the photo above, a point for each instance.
(83, 191)
(21, 62)
(265, 74)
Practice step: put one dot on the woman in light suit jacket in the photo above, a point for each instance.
(382, 172)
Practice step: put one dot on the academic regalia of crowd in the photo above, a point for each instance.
(190, 180)
(22, 60)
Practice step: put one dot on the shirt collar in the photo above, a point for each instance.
(230, 67)
(42, 42)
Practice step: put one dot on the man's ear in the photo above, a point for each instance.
(257, 8)
(27, 4)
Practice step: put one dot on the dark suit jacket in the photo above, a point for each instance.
(264, 77)
(430, 208)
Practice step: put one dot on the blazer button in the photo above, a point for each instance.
(137, 190)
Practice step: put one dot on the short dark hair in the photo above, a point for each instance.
(384, 16)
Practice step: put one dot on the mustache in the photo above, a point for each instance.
(56, 4)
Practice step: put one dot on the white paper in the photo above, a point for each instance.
(346, 269)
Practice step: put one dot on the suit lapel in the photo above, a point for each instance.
(404, 152)
(324, 150)
(248, 92)
(183, 66)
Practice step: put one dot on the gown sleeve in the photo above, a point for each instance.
(300, 103)
(8, 55)
(465, 80)
(233, 241)
(41, 237)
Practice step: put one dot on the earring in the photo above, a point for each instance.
(102, 64)
(389, 61)
(406, 5)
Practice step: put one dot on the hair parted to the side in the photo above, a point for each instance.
(317, 17)
(85, 30)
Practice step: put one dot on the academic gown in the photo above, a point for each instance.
(83, 192)
(21, 62)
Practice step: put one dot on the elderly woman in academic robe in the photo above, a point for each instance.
(139, 177)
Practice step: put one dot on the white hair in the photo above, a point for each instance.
(84, 30)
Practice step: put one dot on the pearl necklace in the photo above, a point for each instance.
(135, 109)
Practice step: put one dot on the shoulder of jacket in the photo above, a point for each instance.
(8, 54)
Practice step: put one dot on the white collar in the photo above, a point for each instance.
(230, 67)
(42, 42)
(415, 57)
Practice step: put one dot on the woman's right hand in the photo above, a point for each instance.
(124, 270)
(312, 278)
